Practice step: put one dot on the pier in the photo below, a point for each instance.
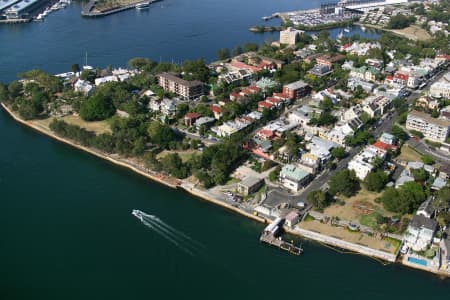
(270, 236)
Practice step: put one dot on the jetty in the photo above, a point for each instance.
(271, 236)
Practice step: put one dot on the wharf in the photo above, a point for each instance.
(14, 21)
(269, 238)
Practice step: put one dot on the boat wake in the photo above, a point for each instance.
(171, 234)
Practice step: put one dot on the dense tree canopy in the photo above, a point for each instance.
(343, 182)
(96, 108)
(405, 199)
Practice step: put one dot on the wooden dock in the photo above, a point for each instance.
(269, 238)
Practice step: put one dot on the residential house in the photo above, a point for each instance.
(84, 87)
(217, 111)
(190, 118)
(293, 177)
(420, 232)
(249, 185)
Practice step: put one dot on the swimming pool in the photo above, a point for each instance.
(418, 261)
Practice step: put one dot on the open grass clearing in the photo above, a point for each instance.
(98, 127)
(184, 155)
(386, 245)
(409, 154)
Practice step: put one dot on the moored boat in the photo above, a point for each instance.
(143, 5)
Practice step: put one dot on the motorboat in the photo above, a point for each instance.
(143, 5)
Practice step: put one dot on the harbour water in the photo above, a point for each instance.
(66, 226)
(170, 30)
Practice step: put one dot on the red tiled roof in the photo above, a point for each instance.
(265, 132)
(254, 88)
(401, 76)
(192, 115)
(384, 146)
(264, 104)
(241, 65)
(216, 109)
(273, 100)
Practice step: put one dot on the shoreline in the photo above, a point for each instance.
(197, 193)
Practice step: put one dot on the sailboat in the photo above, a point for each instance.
(340, 36)
(86, 66)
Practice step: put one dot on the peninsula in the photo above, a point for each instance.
(342, 141)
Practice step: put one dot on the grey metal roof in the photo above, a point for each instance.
(419, 221)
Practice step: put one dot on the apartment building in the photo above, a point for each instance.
(290, 36)
(188, 90)
(432, 129)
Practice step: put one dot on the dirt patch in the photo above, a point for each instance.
(413, 32)
(362, 204)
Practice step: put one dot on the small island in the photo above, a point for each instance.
(100, 8)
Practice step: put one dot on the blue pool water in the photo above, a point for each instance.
(417, 261)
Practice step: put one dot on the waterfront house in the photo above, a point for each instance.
(84, 87)
(292, 218)
(420, 232)
(249, 185)
(293, 177)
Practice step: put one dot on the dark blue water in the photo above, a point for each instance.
(170, 30)
(66, 231)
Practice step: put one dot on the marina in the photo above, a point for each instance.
(13, 11)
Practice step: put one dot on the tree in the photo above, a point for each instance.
(75, 68)
(237, 50)
(96, 108)
(273, 175)
(338, 152)
(375, 181)
(400, 21)
(160, 134)
(223, 54)
(250, 47)
(435, 113)
(399, 133)
(173, 165)
(442, 199)
(88, 75)
(343, 182)
(15, 88)
(420, 175)
(405, 199)
(427, 159)
(141, 64)
(182, 109)
(319, 199)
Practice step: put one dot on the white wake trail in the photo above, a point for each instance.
(176, 231)
(158, 230)
(171, 234)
